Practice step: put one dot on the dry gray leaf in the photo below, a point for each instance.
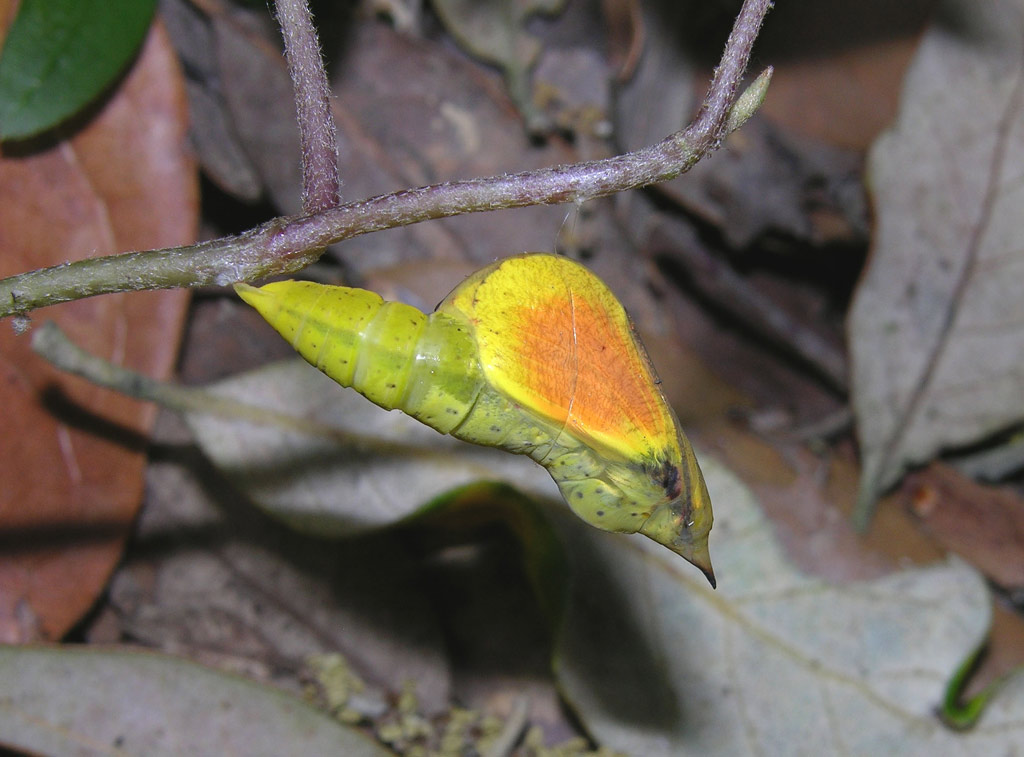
(209, 578)
(937, 326)
(93, 702)
(375, 469)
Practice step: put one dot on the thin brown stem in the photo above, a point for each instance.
(285, 245)
(317, 132)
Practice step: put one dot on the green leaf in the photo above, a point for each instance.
(963, 715)
(68, 700)
(61, 54)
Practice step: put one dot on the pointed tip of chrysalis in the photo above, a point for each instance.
(694, 550)
(710, 575)
(700, 558)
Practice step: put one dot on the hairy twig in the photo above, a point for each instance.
(317, 132)
(288, 244)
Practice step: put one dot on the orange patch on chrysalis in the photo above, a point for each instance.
(555, 339)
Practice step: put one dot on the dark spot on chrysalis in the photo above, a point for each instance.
(495, 429)
(600, 513)
(451, 411)
(392, 386)
(667, 475)
(579, 495)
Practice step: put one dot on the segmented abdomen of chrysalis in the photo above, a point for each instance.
(389, 352)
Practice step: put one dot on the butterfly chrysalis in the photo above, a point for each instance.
(532, 354)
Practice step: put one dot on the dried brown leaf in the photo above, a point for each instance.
(845, 99)
(125, 181)
(982, 524)
(763, 180)
(411, 112)
(212, 130)
(839, 66)
(260, 100)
